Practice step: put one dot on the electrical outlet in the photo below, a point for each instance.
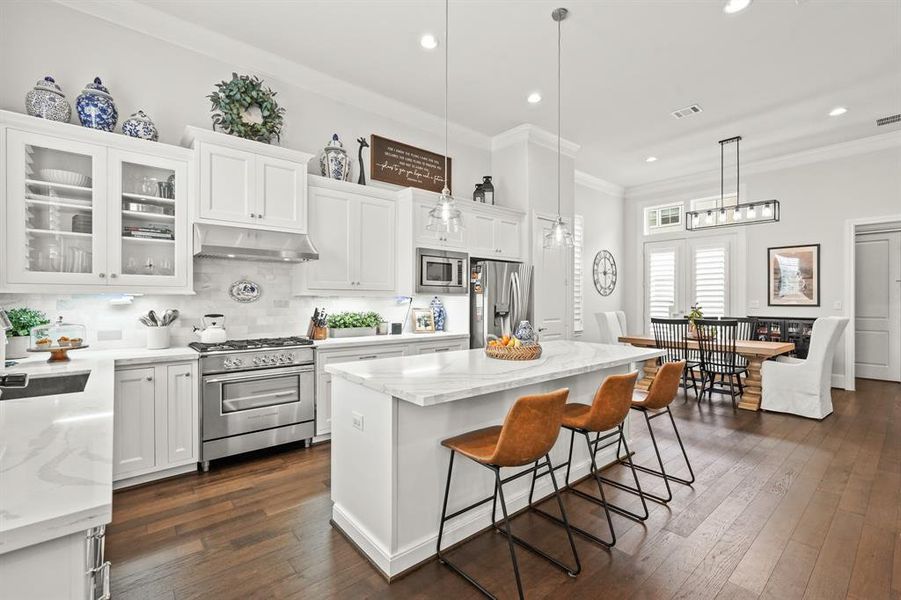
(837, 305)
(357, 420)
(754, 304)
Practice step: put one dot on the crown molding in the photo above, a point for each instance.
(528, 133)
(596, 183)
(242, 56)
(873, 143)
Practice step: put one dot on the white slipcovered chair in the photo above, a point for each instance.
(612, 325)
(804, 387)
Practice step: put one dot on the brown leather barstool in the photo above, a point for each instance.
(654, 403)
(527, 436)
(606, 413)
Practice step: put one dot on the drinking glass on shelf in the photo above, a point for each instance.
(150, 186)
(166, 269)
(131, 266)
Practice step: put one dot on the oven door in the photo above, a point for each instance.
(236, 403)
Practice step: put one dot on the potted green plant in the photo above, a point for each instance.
(22, 319)
(695, 314)
(353, 324)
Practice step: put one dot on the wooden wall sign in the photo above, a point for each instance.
(408, 166)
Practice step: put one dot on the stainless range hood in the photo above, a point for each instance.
(220, 241)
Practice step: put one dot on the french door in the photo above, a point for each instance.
(684, 272)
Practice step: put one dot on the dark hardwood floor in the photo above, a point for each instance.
(783, 507)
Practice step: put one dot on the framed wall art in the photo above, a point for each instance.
(793, 275)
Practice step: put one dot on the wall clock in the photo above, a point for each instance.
(604, 273)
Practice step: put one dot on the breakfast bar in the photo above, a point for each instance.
(388, 419)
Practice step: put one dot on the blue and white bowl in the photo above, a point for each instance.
(96, 108)
(139, 125)
(47, 101)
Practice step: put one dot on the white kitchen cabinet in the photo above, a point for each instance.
(249, 183)
(134, 428)
(494, 236)
(156, 427)
(84, 211)
(324, 380)
(355, 233)
(434, 347)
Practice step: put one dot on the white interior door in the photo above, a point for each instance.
(877, 319)
(551, 285)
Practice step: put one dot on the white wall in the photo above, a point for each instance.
(816, 200)
(170, 83)
(602, 211)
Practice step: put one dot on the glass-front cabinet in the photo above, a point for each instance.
(83, 215)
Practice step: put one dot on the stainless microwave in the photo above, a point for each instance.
(441, 271)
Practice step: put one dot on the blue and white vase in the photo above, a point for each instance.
(334, 162)
(47, 101)
(96, 108)
(439, 313)
(524, 332)
(139, 125)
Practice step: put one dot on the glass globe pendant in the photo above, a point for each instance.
(558, 236)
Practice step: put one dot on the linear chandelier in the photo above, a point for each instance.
(740, 213)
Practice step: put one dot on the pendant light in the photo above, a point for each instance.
(445, 217)
(742, 213)
(558, 236)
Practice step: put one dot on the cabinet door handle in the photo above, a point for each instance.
(113, 275)
(253, 216)
(441, 349)
(368, 357)
(148, 378)
(187, 374)
(101, 275)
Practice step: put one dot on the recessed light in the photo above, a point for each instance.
(229, 255)
(733, 6)
(534, 98)
(838, 110)
(651, 159)
(428, 41)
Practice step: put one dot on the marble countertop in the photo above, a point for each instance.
(374, 340)
(431, 379)
(121, 356)
(56, 456)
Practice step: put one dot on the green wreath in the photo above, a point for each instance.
(244, 108)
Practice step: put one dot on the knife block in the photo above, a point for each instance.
(317, 333)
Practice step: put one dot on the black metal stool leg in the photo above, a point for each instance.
(620, 441)
(684, 453)
(661, 473)
(510, 539)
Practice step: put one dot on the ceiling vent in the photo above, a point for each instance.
(888, 120)
(687, 111)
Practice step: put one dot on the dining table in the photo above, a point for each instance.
(754, 351)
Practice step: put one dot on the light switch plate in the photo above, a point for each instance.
(837, 305)
(754, 304)
(357, 420)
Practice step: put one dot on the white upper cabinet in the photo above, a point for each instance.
(433, 239)
(249, 183)
(355, 230)
(85, 211)
(508, 237)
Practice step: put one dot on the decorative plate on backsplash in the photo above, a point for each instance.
(245, 291)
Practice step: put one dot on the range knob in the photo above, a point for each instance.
(237, 362)
(289, 357)
(257, 361)
(282, 358)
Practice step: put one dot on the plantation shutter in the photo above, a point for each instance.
(578, 223)
(710, 280)
(661, 282)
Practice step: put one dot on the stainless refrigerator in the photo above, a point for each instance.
(500, 296)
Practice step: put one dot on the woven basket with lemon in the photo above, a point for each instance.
(511, 347)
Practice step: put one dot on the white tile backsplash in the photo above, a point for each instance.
(276, 313)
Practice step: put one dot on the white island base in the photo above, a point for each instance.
(389, 416)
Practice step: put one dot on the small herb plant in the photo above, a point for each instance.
(23, 319)
(346, 320)
(696, 313)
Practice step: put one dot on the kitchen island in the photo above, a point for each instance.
(389, 416)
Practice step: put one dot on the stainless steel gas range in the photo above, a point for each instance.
(255, 394)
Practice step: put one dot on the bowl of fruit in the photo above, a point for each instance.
(510, 347)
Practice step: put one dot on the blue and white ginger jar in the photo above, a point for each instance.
(96, 108)
(334, 162)
(439, 313)
(524, 332)
(47, 101)
(139, 125)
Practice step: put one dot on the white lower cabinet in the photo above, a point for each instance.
(156, 423)
(71, 567)
(326, 356)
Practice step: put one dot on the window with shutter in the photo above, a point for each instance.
(577, 273)
(661, 282)
(711, 280)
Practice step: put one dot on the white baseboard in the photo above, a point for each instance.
(154, 475)
(391, 564)
(838, 381)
